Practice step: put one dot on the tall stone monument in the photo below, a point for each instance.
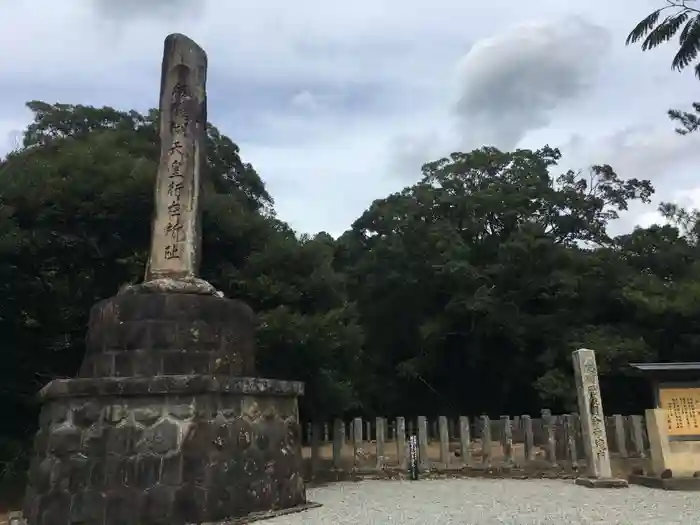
(166, 422)
(595, 440)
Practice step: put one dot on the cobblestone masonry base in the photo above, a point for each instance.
(166, 449)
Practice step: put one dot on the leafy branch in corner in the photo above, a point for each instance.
(656, 30)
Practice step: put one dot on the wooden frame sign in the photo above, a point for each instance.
(683, 410)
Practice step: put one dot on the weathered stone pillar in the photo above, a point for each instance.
(166, 422)
(592, 417)
(176, 236)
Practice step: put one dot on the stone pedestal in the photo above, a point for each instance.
(165, 423)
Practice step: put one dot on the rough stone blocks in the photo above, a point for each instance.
(165, 423)
(166, 458)
(149, 334)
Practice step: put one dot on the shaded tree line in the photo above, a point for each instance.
(462, 293)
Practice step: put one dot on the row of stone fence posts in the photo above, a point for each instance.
(553, 441)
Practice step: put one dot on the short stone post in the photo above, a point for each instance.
(637, 423)
(423, 443)
(326, 435)
(620, 435)
(380, 438)
(529, 438)
(550, 439)
(517, 424)
(465, 440)
(486, 454)
(315, 447)
(356, 440)
(507, 440)
(590, 408)
(401, 442)
(570, 439)
(368, 431)
(338, 442)
(444, 437)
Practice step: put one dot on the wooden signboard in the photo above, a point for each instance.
(683, 410)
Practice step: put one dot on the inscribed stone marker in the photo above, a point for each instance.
(590, 408)
(176, 236)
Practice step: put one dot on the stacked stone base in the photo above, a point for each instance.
(166, 450)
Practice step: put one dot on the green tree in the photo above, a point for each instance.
(475, 284)
(76, 203)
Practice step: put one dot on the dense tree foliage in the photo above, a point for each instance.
(76, 203)
(463, 293)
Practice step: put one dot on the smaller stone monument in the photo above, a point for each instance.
(595, 440)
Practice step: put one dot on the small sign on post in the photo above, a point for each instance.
(413, 457)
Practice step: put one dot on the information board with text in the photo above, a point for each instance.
(682, 410)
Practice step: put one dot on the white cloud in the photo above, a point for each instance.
(305, 101)
(512, 82)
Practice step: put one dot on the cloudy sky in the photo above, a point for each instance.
(339, 103)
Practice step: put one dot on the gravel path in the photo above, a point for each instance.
(486, 502)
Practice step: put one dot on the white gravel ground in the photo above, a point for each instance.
(486, 502)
